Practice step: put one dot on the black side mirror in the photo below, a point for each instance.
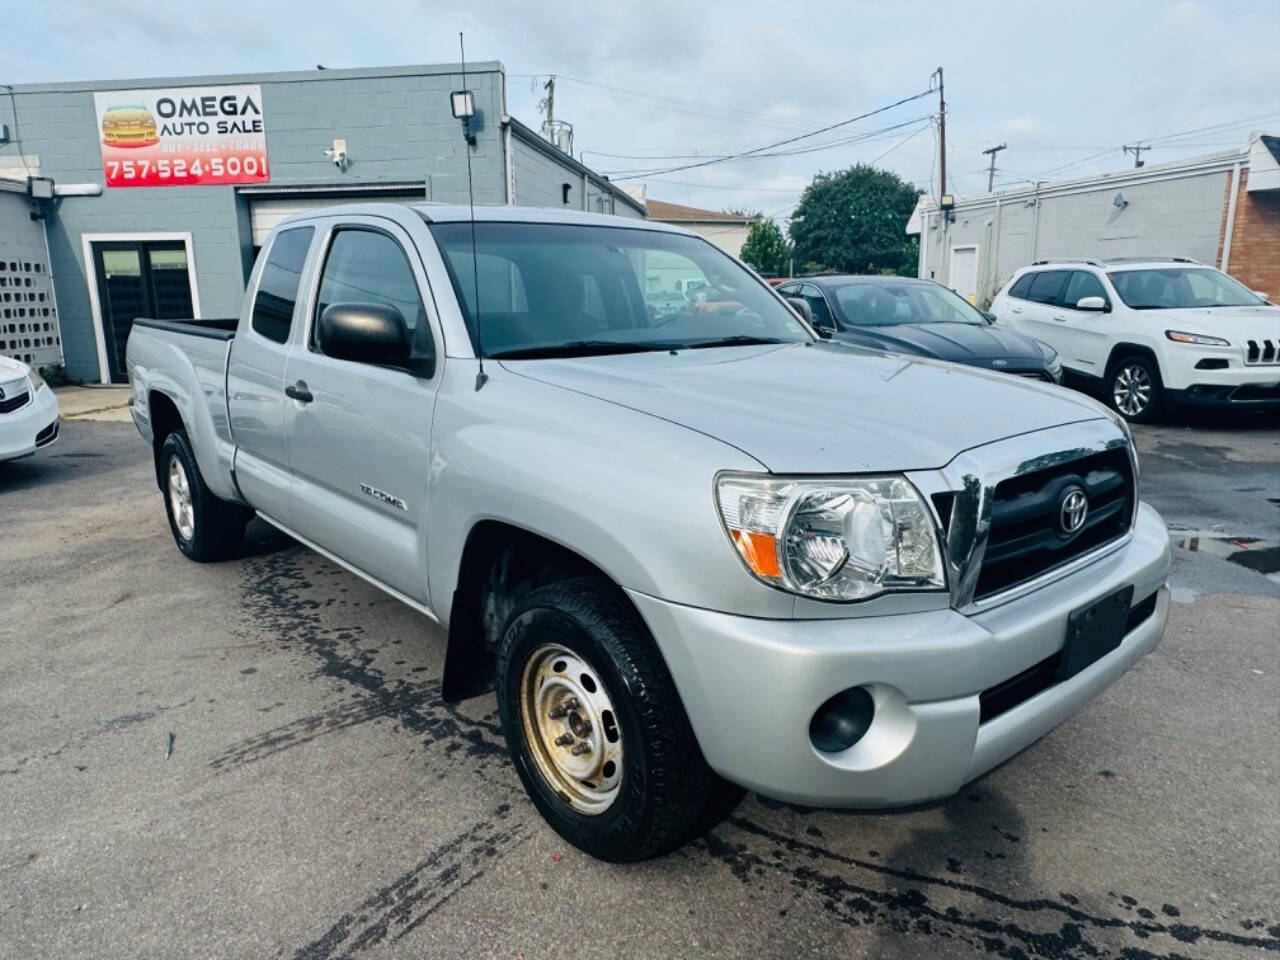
(366, 333)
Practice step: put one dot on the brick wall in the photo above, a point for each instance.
(1255, 240)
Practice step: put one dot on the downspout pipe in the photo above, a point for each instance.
(1231, 217)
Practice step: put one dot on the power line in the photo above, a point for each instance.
(781, 143)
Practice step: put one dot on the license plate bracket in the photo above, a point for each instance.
(1094, 631)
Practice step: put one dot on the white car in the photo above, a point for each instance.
(1151, 334)
(28, 411)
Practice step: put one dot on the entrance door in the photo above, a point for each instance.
(964, 272)
(145, 278)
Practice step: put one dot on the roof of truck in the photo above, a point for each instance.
(488, 213)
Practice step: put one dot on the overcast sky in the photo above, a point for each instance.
(644, 82)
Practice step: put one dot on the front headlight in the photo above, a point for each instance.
(832, 539)
(1200, 339)
(37, 381)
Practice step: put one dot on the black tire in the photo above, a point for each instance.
(1128, 377)
(665, 785)
(216, 526)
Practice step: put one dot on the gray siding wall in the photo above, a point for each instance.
(397, 124)
(1170, 217)
(538, 179)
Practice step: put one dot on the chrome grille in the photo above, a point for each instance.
(1262, 351)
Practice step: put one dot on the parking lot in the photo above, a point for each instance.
(252, 759)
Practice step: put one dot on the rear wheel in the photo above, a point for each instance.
(204, 527)
(594, 724)
(1134, 389)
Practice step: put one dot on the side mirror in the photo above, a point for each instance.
(1096, 304)
(991, 317)
(801, 306)
(364, 332)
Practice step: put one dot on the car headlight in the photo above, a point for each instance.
(37, 381)
(1178, 336)
(832, 539)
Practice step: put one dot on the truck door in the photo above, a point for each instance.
(358, 433)
(255, 375)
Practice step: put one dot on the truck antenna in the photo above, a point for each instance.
(481, 377)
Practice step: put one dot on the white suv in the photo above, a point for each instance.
(1152, 333)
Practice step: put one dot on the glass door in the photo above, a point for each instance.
(144, 278)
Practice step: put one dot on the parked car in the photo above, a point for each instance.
(28, 410)
(1151, 334)
(719, 547)
(923, 318)
(666, 302)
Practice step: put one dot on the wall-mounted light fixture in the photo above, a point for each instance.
(947, 204)
(463, 104)
(1120, 201)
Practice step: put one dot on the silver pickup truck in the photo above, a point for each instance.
(691, 549)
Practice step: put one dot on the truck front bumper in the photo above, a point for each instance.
(31, 426)
(751, 686)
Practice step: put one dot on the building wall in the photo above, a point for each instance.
(729, 237)
(1164, 217)
(396, 121)
(28, 314)
(1255, 239)
(539, 178)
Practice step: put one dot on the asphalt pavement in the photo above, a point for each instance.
(251, 759)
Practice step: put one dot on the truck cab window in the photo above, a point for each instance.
(278, 285)
(367, 266)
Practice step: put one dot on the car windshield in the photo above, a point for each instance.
(887, 303)
(1180, 288)
(574, 290)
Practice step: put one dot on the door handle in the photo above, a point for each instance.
(298, 391)
(1016, 310)
(1060, 319)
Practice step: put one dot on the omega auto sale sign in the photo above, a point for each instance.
(186, 136)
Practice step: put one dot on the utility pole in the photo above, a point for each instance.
(548, 104)
(1137, 151)
(991, 173)
(942, 136)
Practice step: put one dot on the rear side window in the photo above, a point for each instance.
(1082, 284)
(1047, 287)
(278, 285)
(1022, 288)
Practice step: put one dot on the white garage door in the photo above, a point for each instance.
(964, 272)
(266, 214)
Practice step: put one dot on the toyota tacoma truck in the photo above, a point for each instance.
(690, 549)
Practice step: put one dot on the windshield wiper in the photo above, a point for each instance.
(738, 340)
(579, 348)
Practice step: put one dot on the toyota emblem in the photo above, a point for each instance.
(1073, 507)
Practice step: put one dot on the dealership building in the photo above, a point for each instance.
(151, 197)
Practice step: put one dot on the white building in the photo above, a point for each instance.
(1222, 209)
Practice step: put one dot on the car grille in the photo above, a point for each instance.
(1262, 351)
(11, 403)
(1025, 539)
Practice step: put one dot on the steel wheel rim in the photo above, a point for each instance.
(571, 728)
(1132, 390)
(184, 514)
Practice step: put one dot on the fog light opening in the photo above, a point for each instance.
(842, 721)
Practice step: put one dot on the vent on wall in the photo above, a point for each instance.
(28, 317)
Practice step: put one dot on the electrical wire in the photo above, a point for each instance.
(782, 143)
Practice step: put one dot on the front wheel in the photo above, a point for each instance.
(594, 725)
(1134, 389)
(204, 527)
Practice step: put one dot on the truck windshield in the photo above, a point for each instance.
(575, 290)
(1180, 288)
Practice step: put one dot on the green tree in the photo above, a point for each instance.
(855, 221)
(766, 248)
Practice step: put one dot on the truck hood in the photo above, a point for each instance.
(821, 408)
(1237, 324)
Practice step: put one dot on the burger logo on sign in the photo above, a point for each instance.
(129, 125)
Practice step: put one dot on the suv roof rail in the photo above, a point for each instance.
(1153, 260)
(1089, 260)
